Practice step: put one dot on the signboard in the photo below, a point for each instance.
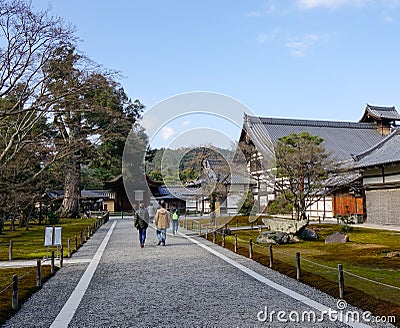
(48, 236)
(52, 236)
(57, 236)
(139, 195)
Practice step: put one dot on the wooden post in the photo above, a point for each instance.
(69, 248)
(122, 214)
(10, 257)
(39, 273)
(271, 256)
(341, 280)
(223, 239)
(52, 262)
(251, 248)
(61, 256)
(76, 242)
(298, 265)
(15, 292)
(81, 241)
(214, 236)
(88, 232)
(236, 243)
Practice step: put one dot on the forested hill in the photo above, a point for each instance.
(184, 164)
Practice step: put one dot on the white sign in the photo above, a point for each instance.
(57, 236)
(52, 236)
(138, 195)
(48, 236)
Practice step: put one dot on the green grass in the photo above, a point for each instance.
(365, 255)
(29, 244)
(26, 287)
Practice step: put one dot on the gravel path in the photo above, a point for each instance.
(179, 285)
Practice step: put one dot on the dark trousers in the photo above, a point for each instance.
(142, 235)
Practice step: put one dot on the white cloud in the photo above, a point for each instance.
(262, 38)
(309, 4)
(167, 132)
(260, 13)
(389, 19)
(301, 46)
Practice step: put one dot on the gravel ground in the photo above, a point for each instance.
(179, 285)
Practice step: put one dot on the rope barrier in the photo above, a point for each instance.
(6, 288)
(319, 264)
(26, 273)
(322, 265)
(373, 281)
(19, 278)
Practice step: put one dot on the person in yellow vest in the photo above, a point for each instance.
(175, 218)
(162, 221)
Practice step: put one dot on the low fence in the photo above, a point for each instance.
(72, 246)
(350, 283)
(372, 295)
(14, 284)
(202, 223)
(76, 241)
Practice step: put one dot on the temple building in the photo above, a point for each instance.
(357, 143)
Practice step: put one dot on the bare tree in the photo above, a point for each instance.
(28, 41)
(55, 104)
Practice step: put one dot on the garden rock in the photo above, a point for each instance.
(285, 225)
(337, 237)
(275, 237)
(393, 254)
(307, 234)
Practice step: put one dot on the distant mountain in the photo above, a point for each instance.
(183, 165)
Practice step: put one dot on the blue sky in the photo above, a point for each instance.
(317, 59)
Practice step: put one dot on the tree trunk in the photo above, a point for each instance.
(70, 205)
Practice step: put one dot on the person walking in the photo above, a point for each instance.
(175, 218)
(141, 223)
(152, 212)
(162, 221)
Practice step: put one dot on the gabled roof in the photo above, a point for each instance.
(380, 113)
(342, 139)
(119, 180)
(85, 194)
(385, 152)
(181, 192)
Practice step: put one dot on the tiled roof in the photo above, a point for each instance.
(380, 112)
(385, 152)
(342, 139)
(178, 192)
(94, 194)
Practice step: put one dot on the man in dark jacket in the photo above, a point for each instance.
(141, 223)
